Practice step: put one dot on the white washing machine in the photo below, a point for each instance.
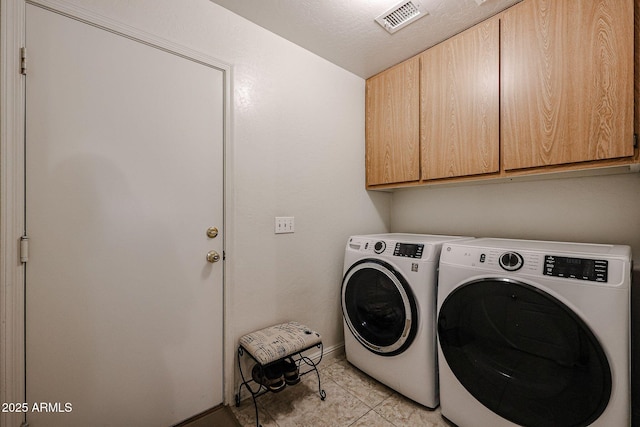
(389, 310)
(534, 333)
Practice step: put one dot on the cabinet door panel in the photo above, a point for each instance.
(566, 82)
(392, 125)
(460, 104)
(636, 33)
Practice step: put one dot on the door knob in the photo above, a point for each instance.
(212, 232)
(213, 256)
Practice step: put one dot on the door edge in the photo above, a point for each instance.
(12, 86)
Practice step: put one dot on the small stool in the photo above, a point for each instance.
(272, 345)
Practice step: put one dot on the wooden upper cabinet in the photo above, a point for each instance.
(566, 82)
(636, 33)
(460, 101)
(392, 125)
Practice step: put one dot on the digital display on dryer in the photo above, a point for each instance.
(593, 270)
(409, 250)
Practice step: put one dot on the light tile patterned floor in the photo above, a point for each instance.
(353, 400)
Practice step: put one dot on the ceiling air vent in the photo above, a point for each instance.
(401, 15)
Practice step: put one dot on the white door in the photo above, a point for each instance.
(124, 156)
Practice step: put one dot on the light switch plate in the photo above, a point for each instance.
(284, 224)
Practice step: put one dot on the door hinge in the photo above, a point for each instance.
(23, 61)
(24, 249)
(635, 140)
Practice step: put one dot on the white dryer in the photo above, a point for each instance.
(389, 310)
(534, 333)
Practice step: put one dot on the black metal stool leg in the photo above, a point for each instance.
(314, 367)
(323, 394)
(245, 383)
(255, 405)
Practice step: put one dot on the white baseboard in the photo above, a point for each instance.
(329, 354)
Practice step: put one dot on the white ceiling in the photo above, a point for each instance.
(345, 33)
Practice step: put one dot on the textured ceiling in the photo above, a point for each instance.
(345, 33)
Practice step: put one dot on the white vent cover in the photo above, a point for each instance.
(401, 15)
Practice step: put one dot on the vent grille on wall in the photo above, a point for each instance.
(401, 15)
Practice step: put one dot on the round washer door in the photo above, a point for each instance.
(524, 354)
(379, 307)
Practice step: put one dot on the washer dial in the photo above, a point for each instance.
(511, 261)
(379, 247)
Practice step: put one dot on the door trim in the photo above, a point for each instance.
(12, 381)
(12, 190)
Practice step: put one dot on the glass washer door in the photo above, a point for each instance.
(524, 354)
(379, 307)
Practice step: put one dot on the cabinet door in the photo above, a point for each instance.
(392, 125)
(566, 82)
(460, 104)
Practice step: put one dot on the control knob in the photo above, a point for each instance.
(379, 247)
(511, 261)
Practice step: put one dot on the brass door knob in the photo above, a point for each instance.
(213, 256)
(212, 232)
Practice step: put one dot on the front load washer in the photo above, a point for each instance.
(388, 307)
(534, 333)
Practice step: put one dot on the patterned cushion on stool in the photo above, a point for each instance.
(270, 344)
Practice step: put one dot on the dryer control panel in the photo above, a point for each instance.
(545, 262)
(594, 270)
(409, 250)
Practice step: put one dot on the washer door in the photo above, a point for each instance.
(379, 307)
(524, 354)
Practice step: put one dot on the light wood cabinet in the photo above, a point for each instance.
(636, 33)
(566, 82)
(392, 125)
(546, 86)
(460, 103)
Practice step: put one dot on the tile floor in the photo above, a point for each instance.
(353, 400)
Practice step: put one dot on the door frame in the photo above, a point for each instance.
(12, 188)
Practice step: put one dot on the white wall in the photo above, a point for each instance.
(604, 209)
(297, 149)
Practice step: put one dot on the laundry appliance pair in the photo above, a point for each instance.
(529, 333)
